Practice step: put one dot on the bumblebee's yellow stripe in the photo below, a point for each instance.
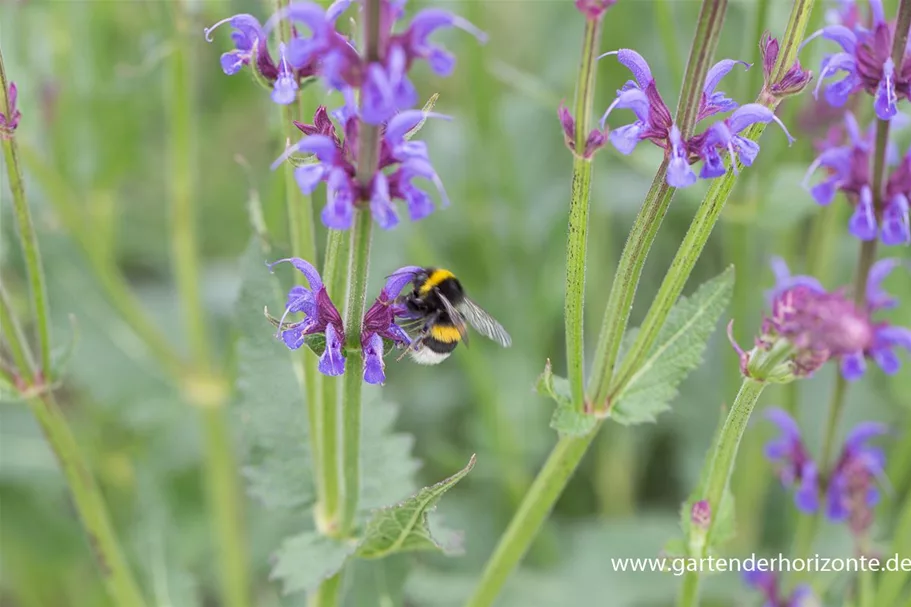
(434, 280)
(445, 334)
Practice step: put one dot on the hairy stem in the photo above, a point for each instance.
(12, 334)
(657, 201)
(118, 578)
(577, 233)
(202, 385)
(721, 466)
(27, 236)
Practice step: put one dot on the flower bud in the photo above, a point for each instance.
(594, 9)
(794, 80)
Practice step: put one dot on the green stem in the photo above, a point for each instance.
(203, 386)
(15, 338)
(302, 234)
(720, 467)
(184, 249)
(645, 227)
(358, 268)
(225, 500)
(27, 236)
(115, 570)
(577, 232)
(523, 527)
(328, 594)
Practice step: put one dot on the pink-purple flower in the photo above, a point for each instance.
(401, 162)
(9, 123)
(380, 324)
(655, 123)
(866, 61)
(848, 169)
(320, 316)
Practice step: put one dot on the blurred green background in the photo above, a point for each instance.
(93, 82)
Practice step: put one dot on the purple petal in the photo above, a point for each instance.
(886, 359)
(842, 36)
(885, 101)
(895, 336)
(719, 71)
(293, 338)
(837, 94)
(321, 146)
(338, 213)
(428, 20)
(837, 499)
(853, 366)
(301, 51)
(305, 268)
(863, 222)
(632, 99)
(824, 192)
(441, 62)
(309, 176)
(625, 138)
(857, 438)
(403, 122)
(233, 61)
(895, 223)
(752, 113)
(747, 149)
(337, 8)
(420, 205)
(285, 86)
(806, 498)
(784, 421)
(396, 281)
(635, 63)
(877, 297)
(332, 362)
(712, 164)
(381, 206)
(373, 360)
(247, 30)
(679, 172)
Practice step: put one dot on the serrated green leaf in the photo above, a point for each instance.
(677, 351)
(566, 420)
(305, 560)
(271, 406)
(404, 527)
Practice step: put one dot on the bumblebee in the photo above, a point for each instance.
(442, 311)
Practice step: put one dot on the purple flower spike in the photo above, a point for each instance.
(795, 466)
(851, 491)
(320, 316)
(426, 22)
(9, 123)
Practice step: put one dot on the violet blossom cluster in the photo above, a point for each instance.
(846, 493)
(848, 169)
(376, 92)
(865, 60)
(819, 326)
(767, 582)
(655, 123)
(321, 317)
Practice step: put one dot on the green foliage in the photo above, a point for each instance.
(404, 526)
(566, 420)
(305, 560)
(677, 351)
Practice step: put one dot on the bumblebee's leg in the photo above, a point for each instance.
(418, 342)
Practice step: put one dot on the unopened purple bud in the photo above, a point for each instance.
(568, 124)
(594, 9)
(9, 123)
(596, 140)
(794, 80)
(701, 515)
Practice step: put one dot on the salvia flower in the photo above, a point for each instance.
(849, 489)
(795, 466)
(320, 316)
(401, 162)
(792, 82)
(9, 123)
(594, 142)
(766, 582)
(317, 48)
(865, 59)
(655, 123)
(848, 169)
(379, 324)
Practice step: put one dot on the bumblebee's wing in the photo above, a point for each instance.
(484, 322)
(456, 316)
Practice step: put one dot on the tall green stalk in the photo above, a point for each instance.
(721, 466)
(577, 233)
(87, 498)
(568, 452)
(358, 269)
(657, 201)
(202, 385)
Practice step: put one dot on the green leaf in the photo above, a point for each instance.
(677, 351)
(404, 527)
(270, 406)
(566, 420)
(305, 560)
